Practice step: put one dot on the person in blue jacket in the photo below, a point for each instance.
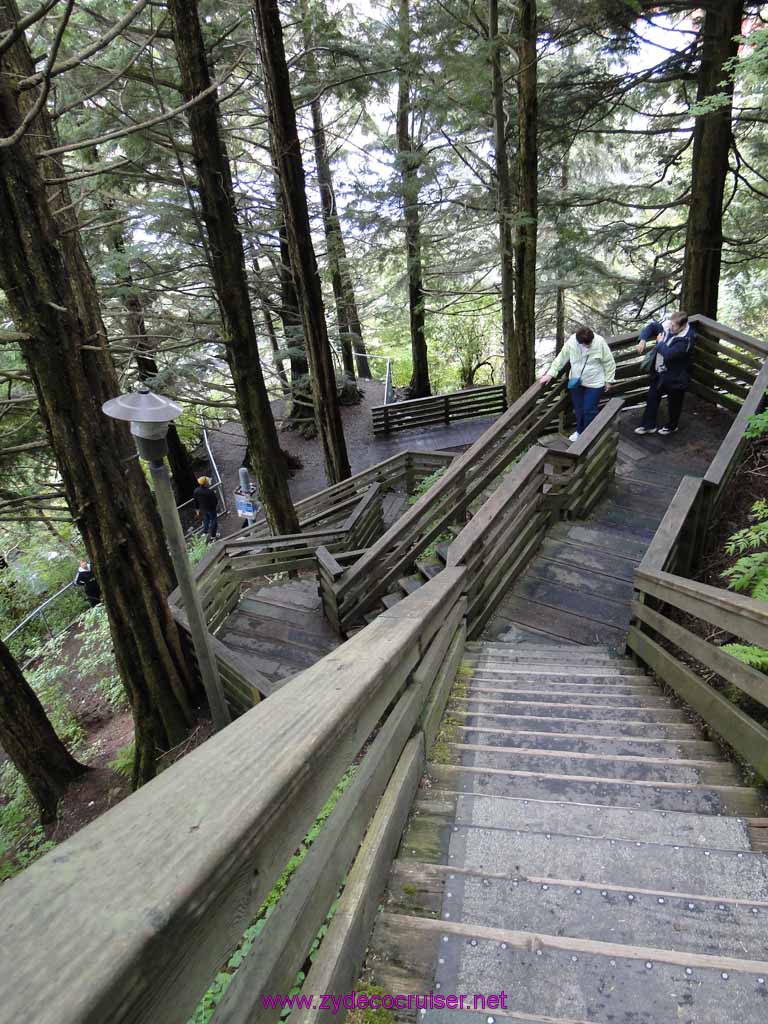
(669, 371)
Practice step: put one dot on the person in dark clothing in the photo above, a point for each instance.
(206, 504)
(86, 579)
(669, 371)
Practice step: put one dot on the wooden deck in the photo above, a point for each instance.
(578, 588)
(281, 625)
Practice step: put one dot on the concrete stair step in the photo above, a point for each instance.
(498, 736)
(576, 695)
(564, 980)
(429, 568)
(582, 910)
(677, 828)
(589, 788)
(623, 728)
(390, 600)
(544, 681)
(637, 865)
(612, 766)
(570, 709)
(410, 583)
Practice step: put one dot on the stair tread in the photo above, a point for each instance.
(562, 980)
(665, 796)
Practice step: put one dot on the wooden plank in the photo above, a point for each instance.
(588, 606)
(673, 524)
(715, 397)
(735, 672)
(614, 565)
(282, 947)
(728, 450)
(437, 700)
(718, 382)
(484, 606)
(599, 424)
(338, 961)
(744, 616)
(557, 622)
(730, 722)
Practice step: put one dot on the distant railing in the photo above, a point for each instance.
(668, 605)
(424, 412)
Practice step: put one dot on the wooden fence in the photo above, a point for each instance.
(439, 409)
(668, 605)
(133, 916)
(360, 587)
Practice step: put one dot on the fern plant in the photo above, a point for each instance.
(749, 575)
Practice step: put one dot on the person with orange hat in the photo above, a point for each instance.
(206, 504)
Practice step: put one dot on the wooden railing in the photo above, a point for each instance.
(425, 412)
(674, 615)
(360, 587)
(134, 915)
(238, 563)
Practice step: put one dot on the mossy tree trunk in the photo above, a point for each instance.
(214, 176)
(52, 298)
(29, 739)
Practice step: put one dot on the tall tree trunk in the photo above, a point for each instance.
(229, 275)
(711, 151)
(184, 481)
(560, 300)
(52, 299)
(350, 332)
(409, 176)
(528, 203)
(269, 326)
(30, 740)
(303, 263)
(504, 209)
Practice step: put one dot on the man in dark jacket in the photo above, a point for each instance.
(206, 504)
(86, 579)
(669, 373)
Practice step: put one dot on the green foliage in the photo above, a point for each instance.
(223, 979)
(749, 574)
(757, 657)
(47, 678)
(426, 484)
(123, 761)
(17, 811)
(757, 426)
(96, 656)
(197, 546)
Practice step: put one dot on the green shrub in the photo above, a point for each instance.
(749, 575)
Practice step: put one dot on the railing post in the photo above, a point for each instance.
(447, 408)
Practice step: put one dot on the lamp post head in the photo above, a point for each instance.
(149, 414)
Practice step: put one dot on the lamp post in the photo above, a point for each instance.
(150, 415)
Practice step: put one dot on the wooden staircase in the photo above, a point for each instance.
(580, 846)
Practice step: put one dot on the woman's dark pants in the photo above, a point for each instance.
(675, 397)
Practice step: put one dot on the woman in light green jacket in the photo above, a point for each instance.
(593, 370)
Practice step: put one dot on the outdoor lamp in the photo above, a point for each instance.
(150, 415)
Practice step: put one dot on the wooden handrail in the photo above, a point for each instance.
(667, 534)
(133, 916)
(594, 431)
(415, 514)
(530, 464)
(728, 449)
(743, 616)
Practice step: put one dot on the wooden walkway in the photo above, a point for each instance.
(578, 587)
(577, 843)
